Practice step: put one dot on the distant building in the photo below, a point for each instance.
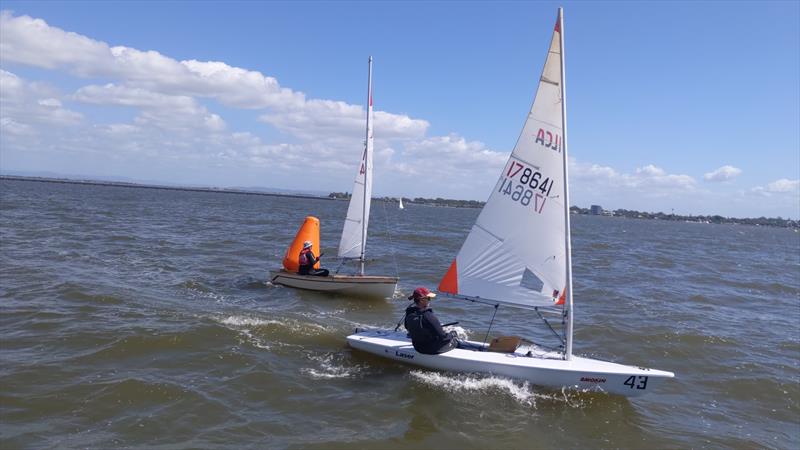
(596, 210)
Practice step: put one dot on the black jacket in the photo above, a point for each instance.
(426, 332)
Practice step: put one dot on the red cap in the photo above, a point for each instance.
(420, 293)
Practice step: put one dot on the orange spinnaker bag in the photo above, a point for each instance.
(309, 231)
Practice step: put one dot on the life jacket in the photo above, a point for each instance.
(304, 256)
(416, 325)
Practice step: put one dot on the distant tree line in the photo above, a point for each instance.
(761, 221)
(418, 200)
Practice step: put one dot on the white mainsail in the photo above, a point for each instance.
(518, 250)
(354, 233)
(401, 204)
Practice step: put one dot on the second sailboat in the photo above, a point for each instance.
(353, 243)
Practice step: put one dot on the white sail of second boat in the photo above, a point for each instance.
(354, 234)
(400, 206)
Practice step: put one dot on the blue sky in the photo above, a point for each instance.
(691, 106)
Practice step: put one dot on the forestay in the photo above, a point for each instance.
(354, 233)
(516, 252)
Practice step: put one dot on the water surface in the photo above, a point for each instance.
(144, 318)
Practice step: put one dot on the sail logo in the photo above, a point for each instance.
(363, 168)
(549, 140)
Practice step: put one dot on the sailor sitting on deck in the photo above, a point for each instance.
(307, 261)
(427, 334)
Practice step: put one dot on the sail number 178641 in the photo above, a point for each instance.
(525, 185)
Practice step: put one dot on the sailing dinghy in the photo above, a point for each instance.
(518, 255)
(353, 242)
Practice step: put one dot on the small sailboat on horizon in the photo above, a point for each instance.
(400, 205)
(353, 242)
(518, 254)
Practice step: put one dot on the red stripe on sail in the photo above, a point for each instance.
(558, 26)
(449, 283)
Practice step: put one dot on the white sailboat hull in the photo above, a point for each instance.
(540, 368)
(354, 285)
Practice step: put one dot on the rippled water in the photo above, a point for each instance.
(144, 318)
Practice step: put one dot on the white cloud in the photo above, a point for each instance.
(33, 42)
(652, 176)
(176, 112)
(12, 127)
(398, 126)
(238, 87)
(649, 179)
(646, 188)
(784, 185)
(111, 94)
(29, 105)
(50, 102)
(778, 198)
(452, 153)
(335, 119)
(724, 173)
(781, 187)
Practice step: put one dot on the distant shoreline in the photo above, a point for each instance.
(438, 202)
(157, 186)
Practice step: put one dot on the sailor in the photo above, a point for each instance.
(426, 332)
(307, 261)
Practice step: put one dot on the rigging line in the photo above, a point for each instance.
(561, 339)
(496, 305)
(403, 319)
(342, 262)
(391, 244)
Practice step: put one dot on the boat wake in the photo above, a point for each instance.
(330, 366)
(267, 333)
(195, 289)
(523, 393)
(291, 325)
(460, 331)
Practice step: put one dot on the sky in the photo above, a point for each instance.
(684, 107)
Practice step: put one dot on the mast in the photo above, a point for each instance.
(567, 244)
(366, 169)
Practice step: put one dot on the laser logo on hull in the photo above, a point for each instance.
(403, 355)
